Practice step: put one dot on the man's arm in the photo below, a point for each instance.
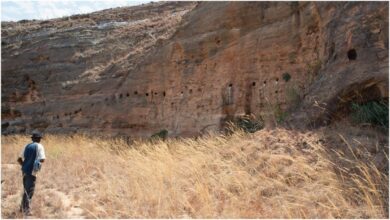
(41, 153)
(21, 157)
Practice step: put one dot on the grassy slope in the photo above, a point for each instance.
(269, 174)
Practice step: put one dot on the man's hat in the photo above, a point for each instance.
(36, 134)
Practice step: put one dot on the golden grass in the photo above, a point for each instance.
(269, 174)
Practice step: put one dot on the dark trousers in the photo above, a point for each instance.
(29, 186)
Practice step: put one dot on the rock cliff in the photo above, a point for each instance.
(189, 67)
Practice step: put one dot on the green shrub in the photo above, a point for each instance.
(250, 124)
(163, 134)
(372, 112)
(247, 123)
(286, 77)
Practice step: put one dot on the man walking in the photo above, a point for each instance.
(32, 152)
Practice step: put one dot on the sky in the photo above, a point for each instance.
(15, 10)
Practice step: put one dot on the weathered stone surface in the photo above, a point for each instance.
(344, 78)
(188, 67)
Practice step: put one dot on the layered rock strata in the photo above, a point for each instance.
(189, 67)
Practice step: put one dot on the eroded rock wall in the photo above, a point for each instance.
(188, 67)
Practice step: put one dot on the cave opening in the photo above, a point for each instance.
(352, 55)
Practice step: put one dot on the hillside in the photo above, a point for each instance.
(189, 67)
(201, 110)
(327, 173)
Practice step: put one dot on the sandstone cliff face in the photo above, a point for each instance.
(188, 67)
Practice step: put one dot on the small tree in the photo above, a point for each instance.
(286, 77)
(163, 134)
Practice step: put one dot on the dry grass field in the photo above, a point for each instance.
(276, 173)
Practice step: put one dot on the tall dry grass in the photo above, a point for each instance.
(269, 174)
